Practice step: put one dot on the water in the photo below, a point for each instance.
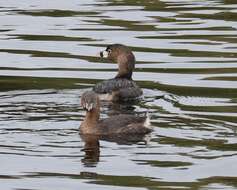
(186, 65)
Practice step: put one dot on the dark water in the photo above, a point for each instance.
(186, 64)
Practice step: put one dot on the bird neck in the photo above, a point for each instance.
(124, 75)
(93, 115)
(91, 120)
(126, 65)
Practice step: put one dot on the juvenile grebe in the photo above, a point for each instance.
(122, 87)
(118, 124)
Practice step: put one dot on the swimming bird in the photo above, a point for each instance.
(117, 124)
(121, 87)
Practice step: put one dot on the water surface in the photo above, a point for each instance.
(186, 65)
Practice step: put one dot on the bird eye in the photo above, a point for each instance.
(109, 50)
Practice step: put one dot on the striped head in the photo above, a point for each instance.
(89, 100)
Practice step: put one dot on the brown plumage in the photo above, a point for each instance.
(122, 87)
(118, 124)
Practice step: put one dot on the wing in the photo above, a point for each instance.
(128, 93)
(124, 124)
(135, 128)
(123, 89)
(110, 85)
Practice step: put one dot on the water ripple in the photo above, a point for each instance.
(186, 64)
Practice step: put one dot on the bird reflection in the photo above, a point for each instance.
(91, 149)
(92, 145)
(114, 108)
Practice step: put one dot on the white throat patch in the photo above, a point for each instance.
(105, 54)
